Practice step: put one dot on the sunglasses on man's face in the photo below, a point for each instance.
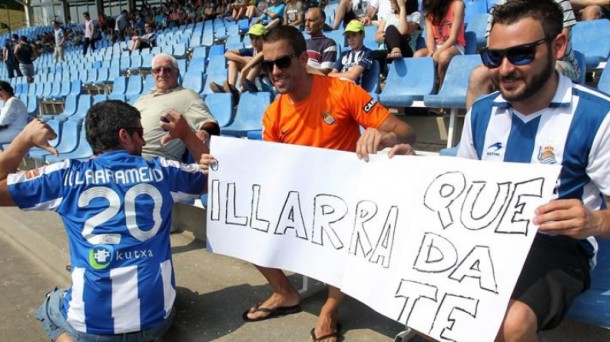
(282, 63)
(516, 55)
(165, 70)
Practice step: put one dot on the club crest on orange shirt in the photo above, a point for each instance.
(328, 118)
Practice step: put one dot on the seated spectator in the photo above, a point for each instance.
(591, 9)
(148, 40)
(355, 62)
(321, 50)
(273, 15)
(244, 61)
(444, 33)
(13, 116)
(294, 14)
(239, 7)
(364, 10)
(400, 28)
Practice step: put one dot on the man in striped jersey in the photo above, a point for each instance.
(116, 209)
(539, 116)
(480, 80)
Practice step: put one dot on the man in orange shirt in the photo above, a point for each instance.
(319, 111)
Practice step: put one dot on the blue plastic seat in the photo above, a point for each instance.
(68, 141)
(135, 85)
(196, 64)
(408, 81)
(199, 52)
(84, 103)
(478, 25)
(97, 98)
(83, 150)
(221, 107)
(453, 90)
(249, 114)
(582, 64)
(70, 106)
(592, 38)
(119, 86)
(473, 8)
(193, 80)
(149, 83)
(216, 50)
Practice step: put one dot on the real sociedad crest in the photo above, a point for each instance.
(546, 155)
(328, 118)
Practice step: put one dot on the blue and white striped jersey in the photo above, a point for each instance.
(573, 131)
(116, 209)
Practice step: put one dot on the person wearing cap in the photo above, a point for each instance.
(245, 61)
(355, 62)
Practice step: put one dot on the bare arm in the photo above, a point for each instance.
(458, 21)
(196, 142)
(36, 133)
(352, 74)
(391, 132)
(403, 26)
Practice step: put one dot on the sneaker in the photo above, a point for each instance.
(215, 87)
(249, 86)
(229, 88)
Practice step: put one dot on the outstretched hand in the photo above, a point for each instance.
(37, 133)
(175, 125)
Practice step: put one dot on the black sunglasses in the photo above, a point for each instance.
(517, 55)
(282, 63)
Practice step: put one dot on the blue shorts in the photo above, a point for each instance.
(54, 323)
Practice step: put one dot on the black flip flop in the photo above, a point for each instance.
(273, 313)
(336, 334)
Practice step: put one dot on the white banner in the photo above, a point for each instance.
(436, 243)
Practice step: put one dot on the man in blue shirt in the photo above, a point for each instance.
(116, 209)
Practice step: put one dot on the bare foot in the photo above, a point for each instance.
(395, 53)
(276, 305)
(327, 330)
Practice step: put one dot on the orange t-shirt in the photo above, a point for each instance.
(330, 117)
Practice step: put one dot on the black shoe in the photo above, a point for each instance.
(229, 88)
(249, 86)
(215, 87)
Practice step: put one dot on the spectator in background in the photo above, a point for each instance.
(355, 62)
(169, 96)
(321, 50)
(591, 9)
(26, 53)
(89, 31)
(273, 15)
(444, 33)
(13, 116)
(244, 61)
(8, 55)
(120, 25)
(294, 14)
(148, 40)
(60, 39)
(348, 10)
(399, 28)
